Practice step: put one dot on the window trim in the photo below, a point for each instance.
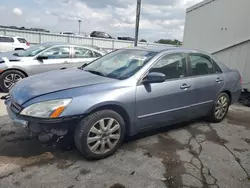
(208, 58)
(139, 82)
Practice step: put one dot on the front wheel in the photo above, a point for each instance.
(9, 78)
(220, 108)
(100, 134)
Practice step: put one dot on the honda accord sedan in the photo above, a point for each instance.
(42, 58)
(121, 94)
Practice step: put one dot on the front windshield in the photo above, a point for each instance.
(120, 64)
(34, 50)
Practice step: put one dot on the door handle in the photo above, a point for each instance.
(218, 80)
(185, 86)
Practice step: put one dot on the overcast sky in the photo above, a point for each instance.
(159, 18)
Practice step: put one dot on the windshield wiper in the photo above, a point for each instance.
(95, 72)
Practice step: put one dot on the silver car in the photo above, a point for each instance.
(42, 58)
(123, 93)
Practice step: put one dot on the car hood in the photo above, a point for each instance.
(53, 81)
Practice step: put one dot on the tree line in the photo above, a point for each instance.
(166, 41)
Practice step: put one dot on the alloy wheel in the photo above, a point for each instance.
(221, 107)
(10, 80)
(104, 136)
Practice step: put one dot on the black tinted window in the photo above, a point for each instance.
(6, 39)
(173, 66)
(201, 65)
(216, 67)
(21, 40)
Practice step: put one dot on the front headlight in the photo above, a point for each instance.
(47, 109)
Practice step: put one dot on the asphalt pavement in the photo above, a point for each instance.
(193, 154)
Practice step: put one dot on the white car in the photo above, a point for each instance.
(43, 58)
(9, 43)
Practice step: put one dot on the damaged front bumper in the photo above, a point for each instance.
(44, 128)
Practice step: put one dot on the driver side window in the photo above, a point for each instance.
(173, 66)
(57, 53)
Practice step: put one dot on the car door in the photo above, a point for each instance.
(208, 82)
(54, 58)
(164, 103)
(82, 56)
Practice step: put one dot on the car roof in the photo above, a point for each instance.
(169, 48)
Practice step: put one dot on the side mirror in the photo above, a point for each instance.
(154, 77)
(41, 58)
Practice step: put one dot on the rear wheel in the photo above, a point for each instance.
(220, 108)
(9, 78)
(100, 134)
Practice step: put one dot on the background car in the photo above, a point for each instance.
(123, 93)
(126, 38)
(67, 33)
(100, 34)
(9, 43)
(42, 58)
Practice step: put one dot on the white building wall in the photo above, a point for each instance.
(213, 25)
(222, 28)
(237, 57)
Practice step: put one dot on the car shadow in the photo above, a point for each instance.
(16, 142)
(163, 129)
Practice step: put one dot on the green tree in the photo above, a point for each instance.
(143, 40)
(169, 41)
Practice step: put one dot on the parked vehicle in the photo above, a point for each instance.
(99, 34)
(39, 30)
(9, 43)
(123, 93)
(67, 33)
(126, 38)
(42, 58)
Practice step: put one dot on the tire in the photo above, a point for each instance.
(214, 115)
(85, 131)
(17, 75)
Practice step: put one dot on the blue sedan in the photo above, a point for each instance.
(121, 94)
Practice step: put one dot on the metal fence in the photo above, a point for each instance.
(36, 38)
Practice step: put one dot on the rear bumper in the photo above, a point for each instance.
(236, 96)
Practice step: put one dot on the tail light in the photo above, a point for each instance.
(241, 81)
(27, 44)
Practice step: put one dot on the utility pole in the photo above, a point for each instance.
(79, 22)
(138, 12)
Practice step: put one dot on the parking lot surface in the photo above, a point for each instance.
(193, 154)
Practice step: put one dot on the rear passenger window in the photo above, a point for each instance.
(97, 54)
(82, 53)
(21, 40)
(201, 65)
(6, 39)
(173, 66)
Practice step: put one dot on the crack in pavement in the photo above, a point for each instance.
(196, 155)
(236, 158)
